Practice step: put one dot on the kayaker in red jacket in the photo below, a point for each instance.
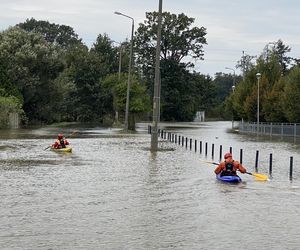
(61, 142)
(229, 166)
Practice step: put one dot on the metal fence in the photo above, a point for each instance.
(276, 129)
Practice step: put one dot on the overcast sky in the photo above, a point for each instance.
(232, 26)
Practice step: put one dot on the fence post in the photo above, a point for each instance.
(291, 168)
(256, 161)
(186, 142)
(220, 153)
(195, 145)
(270, 164)
(200, 147)
(212, 151)
(241, 156)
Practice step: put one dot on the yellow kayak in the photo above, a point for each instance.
(62, 150)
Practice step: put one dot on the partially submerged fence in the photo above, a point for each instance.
(272, 129)
(202, 147)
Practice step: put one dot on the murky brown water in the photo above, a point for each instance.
(112, 193)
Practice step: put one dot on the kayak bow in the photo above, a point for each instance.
(62, 150)
(229, 178)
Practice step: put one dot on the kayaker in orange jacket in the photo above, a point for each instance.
(61, 142)
(229, 166)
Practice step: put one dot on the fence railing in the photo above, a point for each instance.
(202, 148)
(276, 129)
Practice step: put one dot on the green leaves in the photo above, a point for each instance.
(179, 39)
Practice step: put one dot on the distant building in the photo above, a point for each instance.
(200, 116)
(13, 120)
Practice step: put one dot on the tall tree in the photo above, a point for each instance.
(179, 41)
(32, 65)
(179, 44)
(273, 108)
(292, 96)
(139, 101)
(62, 35)
(109, 56)
(280, 50)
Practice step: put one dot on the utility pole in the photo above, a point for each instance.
(156, 97)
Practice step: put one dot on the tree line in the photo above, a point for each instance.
(278, 88)
(47, 75)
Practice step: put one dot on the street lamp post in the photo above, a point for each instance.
(156, 96)
(129, 69)
(258, 76)
(119, 75)
(233, 88)
(120, 59)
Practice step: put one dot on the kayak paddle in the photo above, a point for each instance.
(47, 147)
(73, 133)
(259, 177)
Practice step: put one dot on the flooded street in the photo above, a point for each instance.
(113, 193)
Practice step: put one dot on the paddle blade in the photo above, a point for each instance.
(260, 177)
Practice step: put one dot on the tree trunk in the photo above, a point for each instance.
(131, 122)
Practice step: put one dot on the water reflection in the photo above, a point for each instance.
(113, 193)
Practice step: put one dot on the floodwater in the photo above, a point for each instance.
(113, 193)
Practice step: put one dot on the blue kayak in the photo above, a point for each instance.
(229, 178)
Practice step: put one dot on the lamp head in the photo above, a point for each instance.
(117, 13)
(258, 75)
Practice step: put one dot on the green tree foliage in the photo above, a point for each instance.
(278, 88)
(245, 63)
(280, 50)
(223, 88)
(92, 101)
(32, 65)
(239, 97)
(292, 96)
(109, 56)
(62, 35)
(273, 109)
(6, 86)
(139, 102)
(179, 40)
(176, 102)
(183, 93)
(223, 83)
(8, 104)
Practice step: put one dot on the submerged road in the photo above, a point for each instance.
(113, 193)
